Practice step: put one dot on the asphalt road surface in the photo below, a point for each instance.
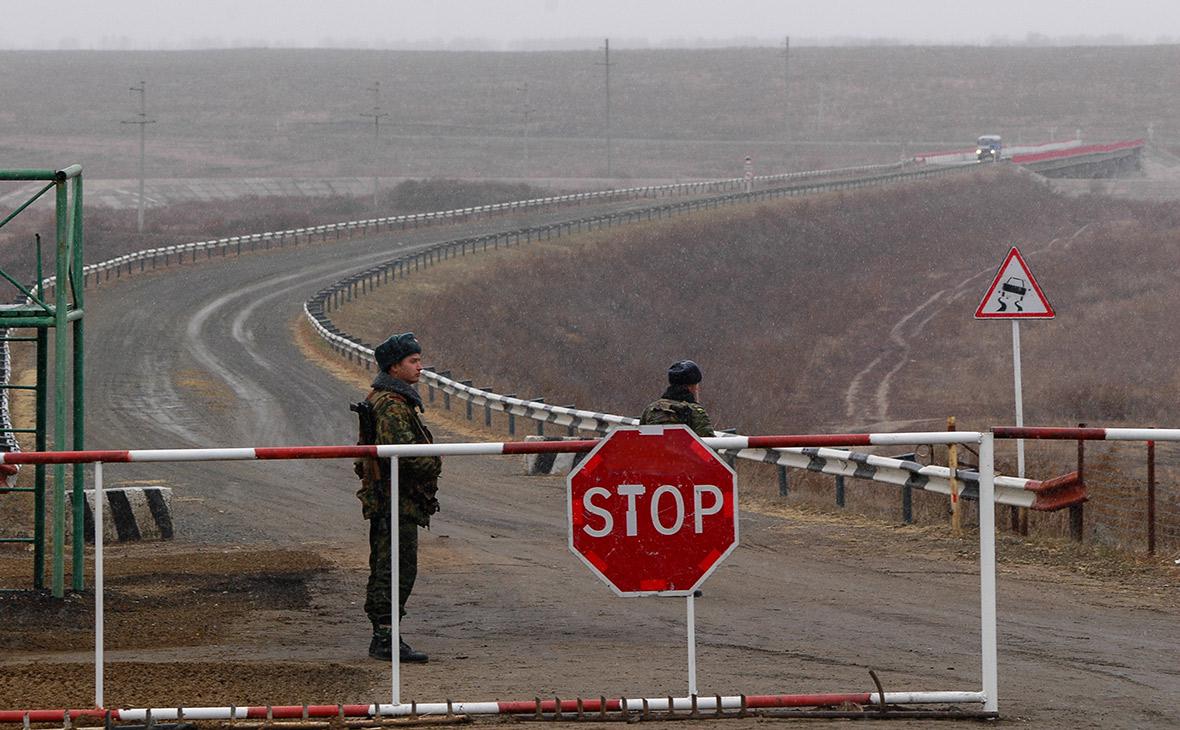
(204, 355)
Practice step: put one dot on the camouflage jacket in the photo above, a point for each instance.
(670, 410)
(397, 422)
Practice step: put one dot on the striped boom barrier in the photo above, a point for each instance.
(263, 453)
(583, 708)
(806, 451)
(1087, 434)
(988, 697)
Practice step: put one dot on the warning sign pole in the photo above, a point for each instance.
(1015, 294)
(1019, 398)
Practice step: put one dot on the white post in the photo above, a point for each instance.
(1019, 397)
(394, 590)
(98, 586)
(987, 571)
(692, 646)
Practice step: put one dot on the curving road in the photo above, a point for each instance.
(204, 356)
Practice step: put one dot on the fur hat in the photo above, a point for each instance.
(685, 372)
(395, 349)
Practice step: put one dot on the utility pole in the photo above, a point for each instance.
(376, 114)
(606, 64)
(819, 116)
(143, 121)
(786, 90)
(526, 110)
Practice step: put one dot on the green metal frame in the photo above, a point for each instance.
(64, 314)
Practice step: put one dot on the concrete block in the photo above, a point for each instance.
(131, 513)
(543, 464)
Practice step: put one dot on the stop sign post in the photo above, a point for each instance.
(652, 511)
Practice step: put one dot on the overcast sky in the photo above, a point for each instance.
(513, 24)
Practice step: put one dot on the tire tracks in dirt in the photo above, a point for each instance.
(867, 398)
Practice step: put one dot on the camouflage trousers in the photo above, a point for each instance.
(377, 594)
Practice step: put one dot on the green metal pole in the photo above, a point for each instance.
(39, 470)
(28, 174)
(60, 323)
(75, 265)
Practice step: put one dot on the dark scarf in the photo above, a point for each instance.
(385, 381)
(679, 392)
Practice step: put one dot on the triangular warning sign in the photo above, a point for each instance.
(1014, 293)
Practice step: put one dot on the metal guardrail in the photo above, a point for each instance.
(279, 239)
(317, 307)
(906, 473)
(902, 472)
(269, 239)
(831, 461)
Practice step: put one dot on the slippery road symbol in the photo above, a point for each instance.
(1014, 293)
(1012, 290)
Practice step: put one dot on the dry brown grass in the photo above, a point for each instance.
(781, 303)
(784, 303)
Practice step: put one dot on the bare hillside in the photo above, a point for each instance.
(837, 311)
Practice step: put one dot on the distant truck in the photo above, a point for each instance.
(987, 148)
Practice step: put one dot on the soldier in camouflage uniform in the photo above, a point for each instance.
(679, 403)
(395, 405)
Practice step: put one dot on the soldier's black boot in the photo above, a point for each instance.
(410, 656)
(381, 646)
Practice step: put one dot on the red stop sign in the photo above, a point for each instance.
(652, 510)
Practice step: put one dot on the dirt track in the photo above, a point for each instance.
(258, 599)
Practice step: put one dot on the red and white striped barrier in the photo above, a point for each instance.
(808, 451)
(988, 697)
(585, 708)
(468, 449)
(1087, 434)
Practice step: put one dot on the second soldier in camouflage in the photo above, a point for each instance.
(679, 403)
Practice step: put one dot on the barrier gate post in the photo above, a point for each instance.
(987, 570)
(98, 587)
(394, 588)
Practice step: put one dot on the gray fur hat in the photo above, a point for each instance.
(685, 372)
(395, 349)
